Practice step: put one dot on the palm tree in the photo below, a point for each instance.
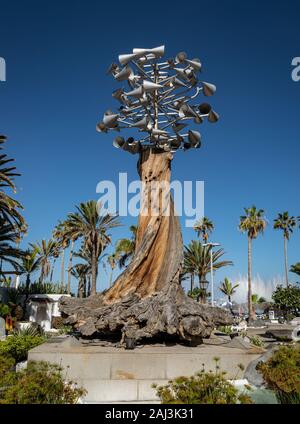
(79, 271)
(63, 243)
(253, 223)
(9, 207)
(197, 260)
(29, 264)
(112, 261)
(287, 224)
(204, 227)
(295, 268)
(125, 248)
(228, 289)
(8, 238)
(88, 223)
(46, 250)
(257, 300)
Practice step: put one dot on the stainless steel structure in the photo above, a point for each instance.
(159, 101)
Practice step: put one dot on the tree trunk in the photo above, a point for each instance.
(62, 268)
(158, 255)
(94, 272)
(250, 307)
(230, 305)
(27, 281)
(80, 290)
(84, 287)
(147, 299)
(70, 266)
(89, 286)
(192, 282)
(285, 261)
(52, 270)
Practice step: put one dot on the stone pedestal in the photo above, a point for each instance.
(116, 375)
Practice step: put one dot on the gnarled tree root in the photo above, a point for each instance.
(169, 312)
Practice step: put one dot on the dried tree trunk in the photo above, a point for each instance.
(147, 299)
(159, 249)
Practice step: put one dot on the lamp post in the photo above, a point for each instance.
(211, 245)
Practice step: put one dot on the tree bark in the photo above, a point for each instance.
(62, 268)
(52, 270)
(94, 272)
(285, 261)
(70, 266)
(147, 299)
(89, 286)
(192, 281)
(250, 307)
(80, 290)
(159, 248)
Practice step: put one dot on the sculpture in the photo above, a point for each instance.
(147, 299)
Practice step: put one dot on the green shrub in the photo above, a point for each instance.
(65, 329)
(282, 374)
(225, 329)
(202, 388)
(17, 346)
(199, 293)
(6, 364)
(32, 330)
(42, 288)
(39, 383)
(287, 299)
(4, 310)
(256, 341)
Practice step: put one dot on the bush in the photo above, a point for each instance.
(225, 329)
(39, 383)
(282, 374)
(33, 330)
(42, 288)
(4, 310)
(18, 345)
(256, 341)
(6, 364)
(202, 388)
(287, 299)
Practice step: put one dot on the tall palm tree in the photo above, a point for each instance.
(62, 242)
(197, 259)
(71, 252)
(253, 223)
(287, 224)
(228, 289)
(46, 250)
(89, 224)
(29, 263)
(204, 227)
(9, 207)
(125, 248)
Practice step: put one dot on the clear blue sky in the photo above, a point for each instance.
(57, 53)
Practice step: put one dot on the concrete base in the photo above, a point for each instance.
(116, 375)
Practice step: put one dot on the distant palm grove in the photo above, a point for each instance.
(91, 229)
